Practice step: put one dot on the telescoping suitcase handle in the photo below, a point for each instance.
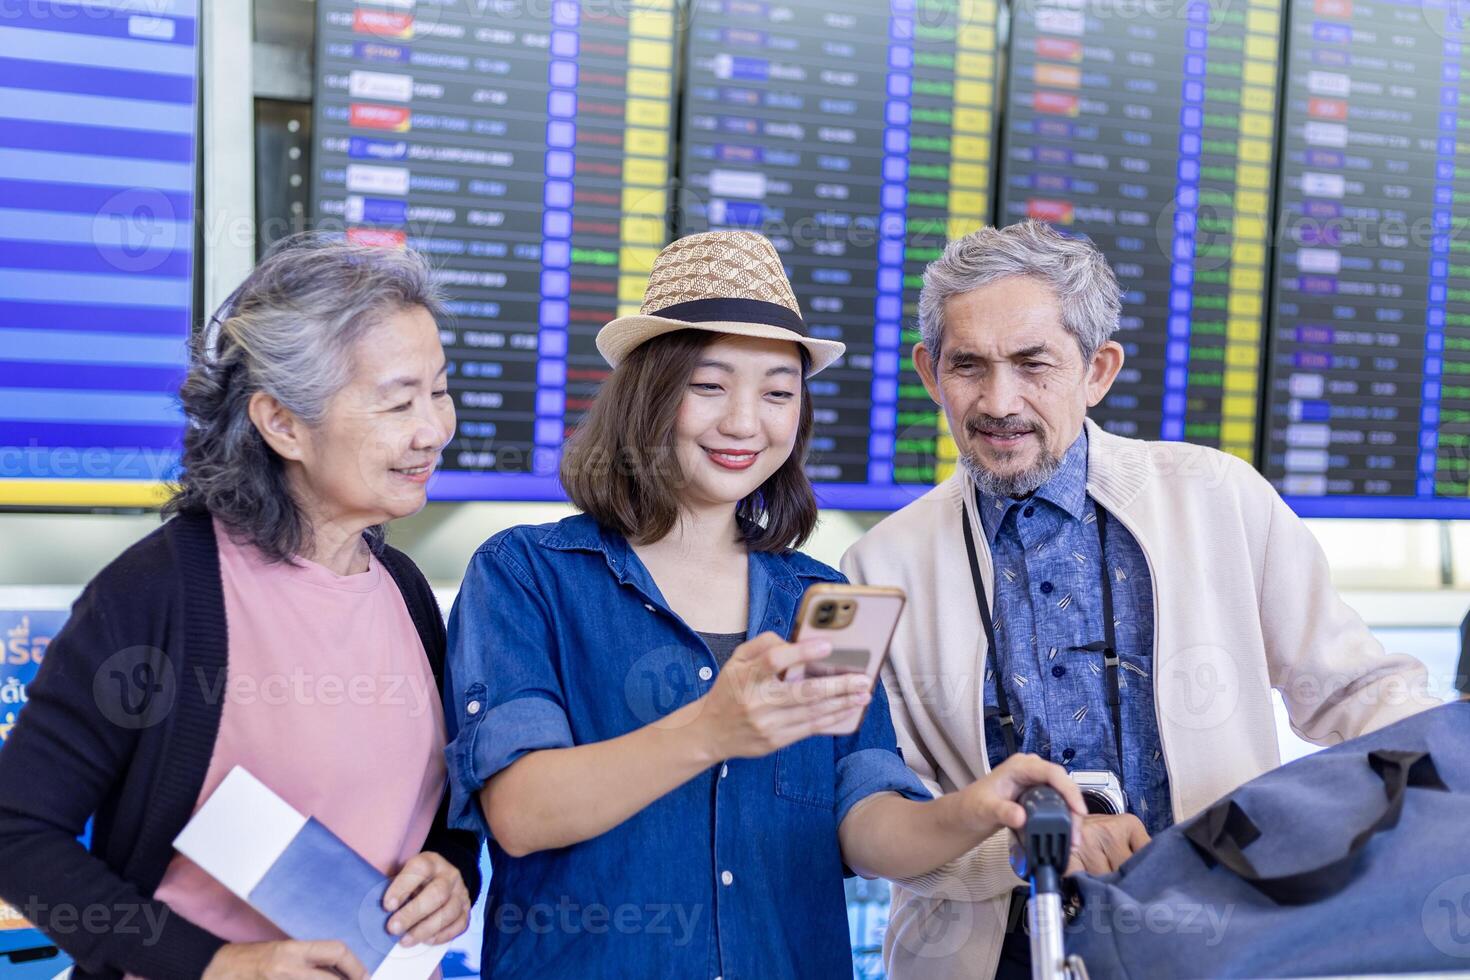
(1222, 832)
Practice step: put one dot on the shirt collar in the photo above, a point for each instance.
(1067, 489)
(782, 571)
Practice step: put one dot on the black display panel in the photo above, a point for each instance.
(858, 137)
(1369, 409)
(528, 156)
(1149, 130)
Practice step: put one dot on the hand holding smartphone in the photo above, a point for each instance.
(859, 622)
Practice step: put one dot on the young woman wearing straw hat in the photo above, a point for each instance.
(659, 802)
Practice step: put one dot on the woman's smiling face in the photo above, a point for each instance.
(371, 458)
(739, 418)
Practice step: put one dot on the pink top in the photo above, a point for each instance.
(331, 703)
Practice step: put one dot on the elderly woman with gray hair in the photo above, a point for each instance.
(264, 625)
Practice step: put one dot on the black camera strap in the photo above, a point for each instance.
(1002, 703)
(1108, 646)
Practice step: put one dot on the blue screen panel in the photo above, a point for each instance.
(98, 135)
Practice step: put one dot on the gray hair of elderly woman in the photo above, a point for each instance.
(1086, 290)
(289, 331)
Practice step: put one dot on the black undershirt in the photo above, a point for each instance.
(722, 645)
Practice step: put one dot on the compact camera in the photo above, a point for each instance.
(1101, 791)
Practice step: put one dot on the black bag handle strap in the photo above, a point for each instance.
(1222, 833)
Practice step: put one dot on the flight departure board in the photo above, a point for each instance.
(858, 137)
(527, 154)
(98, 141)
(1369, 411)
(1149, 130)
(534, 154)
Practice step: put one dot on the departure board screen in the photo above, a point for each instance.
(1369, 410)
(1148, 129)
(526, 153)
(98, 142)
(858, 137)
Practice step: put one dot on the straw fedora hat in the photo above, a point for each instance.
(723, 282)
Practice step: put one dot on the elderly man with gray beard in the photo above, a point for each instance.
(1123, 608)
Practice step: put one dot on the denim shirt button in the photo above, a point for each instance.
(727, 877)
(724, 770)
(705, 673)
(648, 606)
(472, 708)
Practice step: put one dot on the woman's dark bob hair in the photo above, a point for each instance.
(622, 467)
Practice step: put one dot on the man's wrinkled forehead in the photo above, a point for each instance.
(1004, 317)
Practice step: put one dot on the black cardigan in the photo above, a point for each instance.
(120, 726)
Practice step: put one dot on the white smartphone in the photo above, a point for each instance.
(859, 622)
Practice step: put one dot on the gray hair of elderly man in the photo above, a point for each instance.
(289, 330)
(1086, 290)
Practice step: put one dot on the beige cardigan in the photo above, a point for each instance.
(1243, 603)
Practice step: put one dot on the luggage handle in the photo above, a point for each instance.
(1222, 832)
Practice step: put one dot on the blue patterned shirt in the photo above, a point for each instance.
(1047, 602)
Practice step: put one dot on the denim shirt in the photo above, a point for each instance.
(1048, 601)
(559, 637)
